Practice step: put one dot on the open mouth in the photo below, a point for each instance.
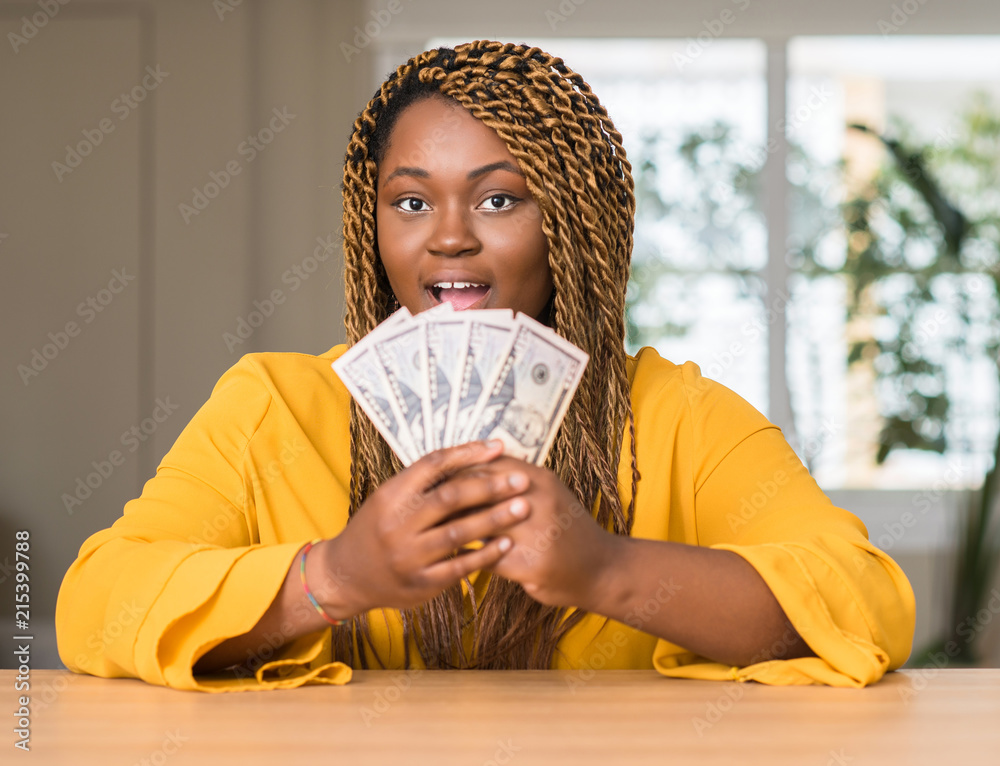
(461, 295)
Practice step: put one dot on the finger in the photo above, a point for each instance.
(450, 571)
(407, 494)
(499, 464)
(438, 542)
(437, 466)
(467, 493)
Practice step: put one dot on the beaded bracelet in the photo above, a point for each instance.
(305, 586)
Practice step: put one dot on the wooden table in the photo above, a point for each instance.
(487, 718)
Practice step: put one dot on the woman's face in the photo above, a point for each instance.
(455, 220)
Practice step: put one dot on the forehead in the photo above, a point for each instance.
(436, 133)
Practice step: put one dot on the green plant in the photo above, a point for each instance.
(923, 261)
(699, 216)
(695, 206)
(922, 264)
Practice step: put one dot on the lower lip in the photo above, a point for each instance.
(481, 303)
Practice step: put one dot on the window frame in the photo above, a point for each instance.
(925, 515)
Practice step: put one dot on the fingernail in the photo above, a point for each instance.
(519, 507)
(494, 443)
(504, 544)
(517, 481)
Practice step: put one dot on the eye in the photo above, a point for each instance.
(411, 205)
(500, 202)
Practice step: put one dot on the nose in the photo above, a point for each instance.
(453, 234)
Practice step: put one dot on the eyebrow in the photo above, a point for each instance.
(472, 174)
(502, 165)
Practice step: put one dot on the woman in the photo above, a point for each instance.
(672, 528)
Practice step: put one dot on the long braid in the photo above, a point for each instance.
(576, 170)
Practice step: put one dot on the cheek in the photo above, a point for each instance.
(391, 249)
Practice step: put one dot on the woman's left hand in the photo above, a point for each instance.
(559, 553)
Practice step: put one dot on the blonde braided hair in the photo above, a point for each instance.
(576, 170)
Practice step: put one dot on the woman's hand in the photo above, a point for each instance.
(397, 549)
(559, 553)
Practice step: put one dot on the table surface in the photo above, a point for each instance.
(518, 717)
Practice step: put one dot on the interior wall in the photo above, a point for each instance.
(199, 149)
(133, 276)
(523, 20)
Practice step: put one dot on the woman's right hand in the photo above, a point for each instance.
(396, 551)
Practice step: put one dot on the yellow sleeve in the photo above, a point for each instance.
(848, 600)
(183, 568)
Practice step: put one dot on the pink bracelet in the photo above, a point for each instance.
(305, 586)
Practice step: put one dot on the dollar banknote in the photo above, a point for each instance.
(401, 345)
(526, 399)
(446, 342)
(401, 349)
(446, 377)
(361, 371)
(488, 338)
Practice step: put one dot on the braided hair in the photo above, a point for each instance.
(572, 158)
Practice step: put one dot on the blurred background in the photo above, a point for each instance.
(818, 227)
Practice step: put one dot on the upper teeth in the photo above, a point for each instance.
(456, 285)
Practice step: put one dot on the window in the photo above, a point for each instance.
(711, 285)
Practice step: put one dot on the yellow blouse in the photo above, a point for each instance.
(264, 466)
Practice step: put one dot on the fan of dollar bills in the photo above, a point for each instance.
(446, 377)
